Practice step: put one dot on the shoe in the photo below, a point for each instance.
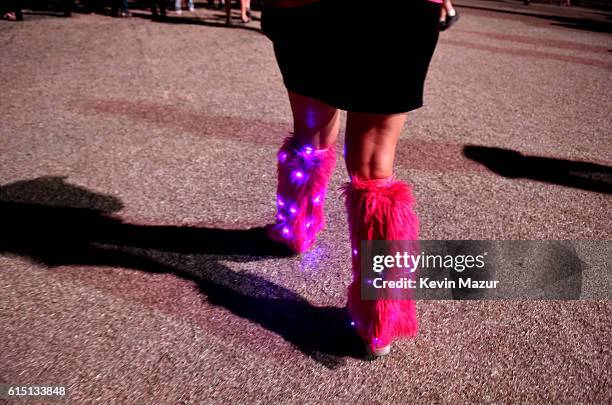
(10, 16)
(178, 12)
(449, 21)
(303, 175)
(124, 14)
(192, 9)
(379, 351)
(159, 17)
(379, 210)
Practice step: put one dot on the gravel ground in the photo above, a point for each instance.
(117, 133)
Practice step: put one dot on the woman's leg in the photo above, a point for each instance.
(314, 122)
(370, 141)
(448, 15)
(379, 207)
(306, 161)
(243, 11)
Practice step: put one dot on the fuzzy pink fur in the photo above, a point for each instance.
(300, 201)
(380, 210)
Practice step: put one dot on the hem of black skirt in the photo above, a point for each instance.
(352, 107)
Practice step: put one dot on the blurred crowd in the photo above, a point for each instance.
(12, 9)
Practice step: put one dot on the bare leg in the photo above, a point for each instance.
(370, 144)
(244, 4)
(314, 122)
(443, 13)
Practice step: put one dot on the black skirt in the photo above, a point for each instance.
(361, 56)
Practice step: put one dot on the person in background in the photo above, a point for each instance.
(178, 6)
(11, 10)
(67, 6)
(119, 8)
(448, 15)
(245, 11)
(158, 9)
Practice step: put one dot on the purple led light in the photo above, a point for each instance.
(308, 150)
(282, 156)
(355, 252)
(280, 217)
(316, 199)
(352, 323)
(280, 202)
(293, 210)
(308, 224)
(285, 231)
(298, 176)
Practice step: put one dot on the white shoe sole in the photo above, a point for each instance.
(380, 351)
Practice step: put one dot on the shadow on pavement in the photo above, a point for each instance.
(213, 21)
(585, 24)
(55, 223)
(57, 8)
(511, 164)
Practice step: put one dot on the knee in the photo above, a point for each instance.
(320, 131)
(368, 168)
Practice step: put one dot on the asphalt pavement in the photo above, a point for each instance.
(137, 161)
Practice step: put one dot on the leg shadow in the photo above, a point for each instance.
(511, 164)
(55, 223)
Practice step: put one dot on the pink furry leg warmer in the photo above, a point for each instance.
(303, 175)
(380, 210)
